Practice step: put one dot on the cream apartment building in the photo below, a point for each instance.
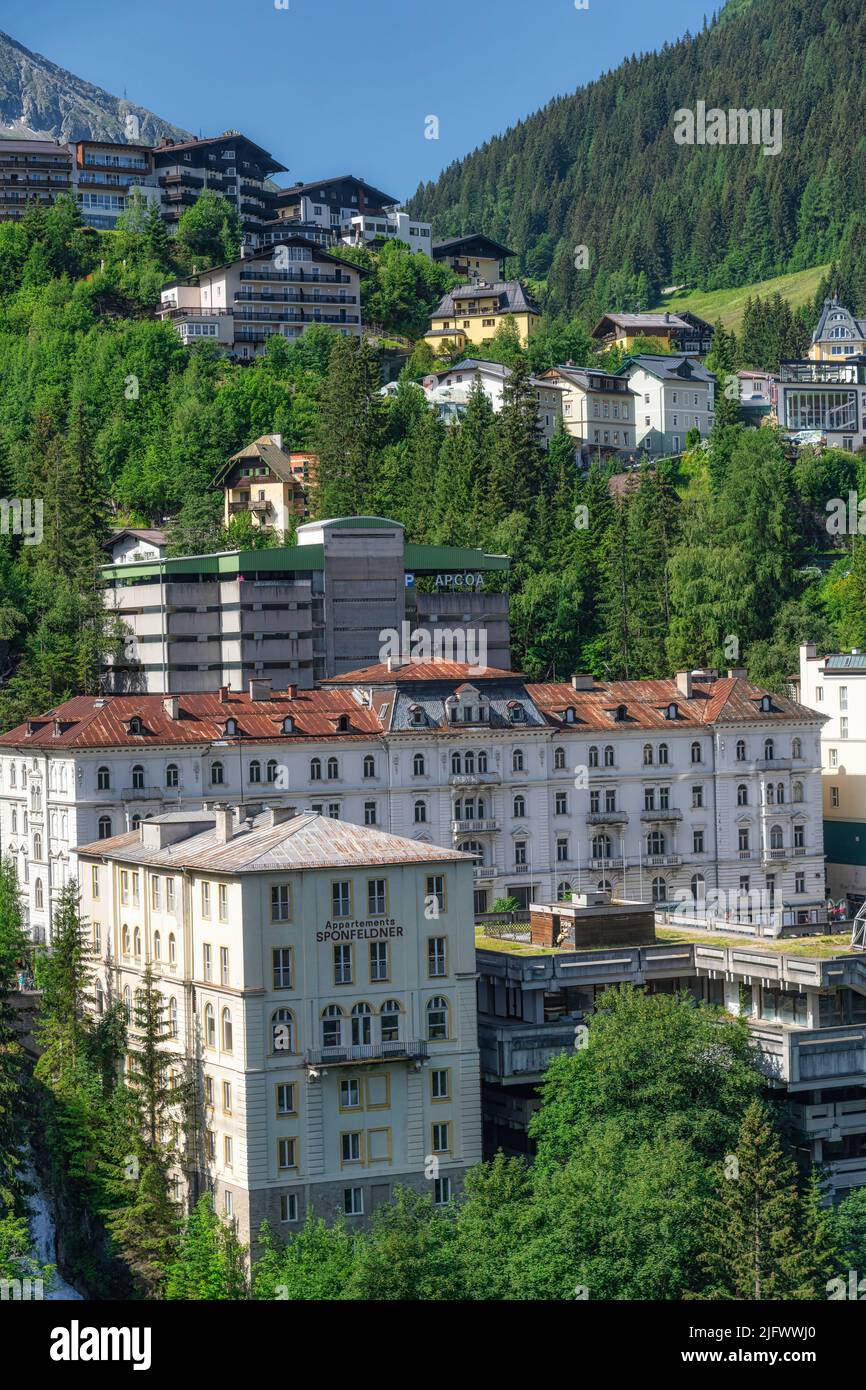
(319, 981)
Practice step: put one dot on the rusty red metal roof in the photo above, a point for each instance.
(415, 671)
(645, 703)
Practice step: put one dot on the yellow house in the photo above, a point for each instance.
(838, 334)
(267, 482)
(473, 257)
(471, 314)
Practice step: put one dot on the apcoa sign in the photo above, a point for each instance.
(466, 580)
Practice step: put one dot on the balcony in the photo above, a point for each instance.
(773, 764)
(522, 1049)
(142, 793)
(607, 863)
(520, 869)
(804, 1058)
(484, 871)
(472, 827)
(669, 813)
(769, 855)
(607, 818)
(663, 860)
(475, 779)
(358, 1054)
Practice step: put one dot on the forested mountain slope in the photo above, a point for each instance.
(601, 168)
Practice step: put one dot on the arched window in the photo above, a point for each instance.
(469, 762)
(699, 888)
(696, 752)
(389, 1021)
(362, 1025)
(456, 764)
(37, 844)
(517, 760)
(138, 777)
(601, 847)
(216, 774)
(283, 1031)
(227, 1030)
(209, 1026)
(420, 812)
(519, 807)
(482, 762)
(769, 750)
(655, 842)
(663, 754)
(369, 766)
(135, 820)
(473, 847)
(796, 748)
(172, 949)
(38, 894)
(780, 793)
(419, 766)
(608, 755)
(796, 791)
(647, 755)
(136, 943)
(593, 756)
(272, 770)
(603, 885)
(332, 1026)
(559, 759)
(775, 837)
(172, 1018)
(157, 946)
(125, 940)
(172, 775)
(660, 890)
(100, 997)
(563, 891)
(105, 827)
(127, 1003)
(315, 769)
(333, 769)
(742, 795)
(771, 794)
(103, 780)
(437, 1018)
(741, 751)
(255, 770)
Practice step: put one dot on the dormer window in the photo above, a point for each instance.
(618, 714)
(766, 704)
(135, 725)
(671, 712)
(569, 715)
(342, 723)
(231, 726)
(417, 714)
(288, 725)
(517, 713)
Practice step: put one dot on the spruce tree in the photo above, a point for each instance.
(349, 431)
(211, 1261)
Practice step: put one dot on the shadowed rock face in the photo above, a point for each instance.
(42, 100)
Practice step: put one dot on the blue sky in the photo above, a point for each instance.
(345, 86)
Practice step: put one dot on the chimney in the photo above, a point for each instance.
(171, 705)
(278, 440)
(394, 663)
(809, 651)
(224, 694)
(684, 683)
(260, 688)
(736, 673)
(582, 681)
(28, 728)
(667, 317)
(224, 823)
(276, 815)
(291, 692)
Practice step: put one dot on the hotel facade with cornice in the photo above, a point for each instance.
(670, 790)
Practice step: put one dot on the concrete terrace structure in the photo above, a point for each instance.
(280, 292)
(295, 614)
(696, 791)
(835, 686)
(350, 210)
(319, 986)
(805, 1003)
(825, 395)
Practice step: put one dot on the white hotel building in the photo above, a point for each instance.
(319, 981)
(662, 790)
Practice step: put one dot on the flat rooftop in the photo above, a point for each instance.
(808, 947)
